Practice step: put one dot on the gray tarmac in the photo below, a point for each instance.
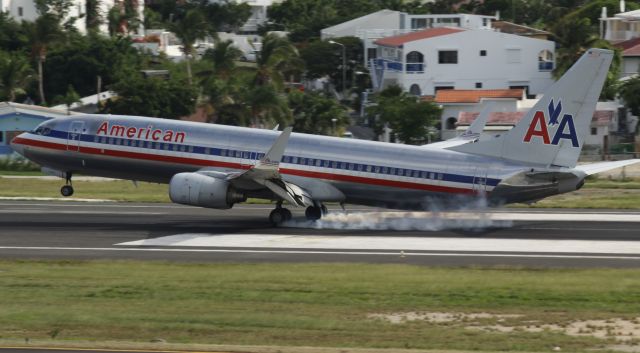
(84, 231)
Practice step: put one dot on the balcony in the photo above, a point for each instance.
(414, 68)
(545, 65)
(390, 65)
(620, 35)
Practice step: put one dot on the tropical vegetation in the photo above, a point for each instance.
(48, 61)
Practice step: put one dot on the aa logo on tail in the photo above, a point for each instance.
(565, 127)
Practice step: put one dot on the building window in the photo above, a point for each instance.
(513, 56)
(1, 137)
(594, 131)
(442, 88)
(418, 23)
(451, 123)
(372, 53)
(545, 60)
(483, 53)
(526, 91)
(478, 84)
(448, 57)
(415, 90)
(415, 62)
(20, 12)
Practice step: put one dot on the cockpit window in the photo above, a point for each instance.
(43, 129)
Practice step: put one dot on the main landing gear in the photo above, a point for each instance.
(281, 214)
(67, 189)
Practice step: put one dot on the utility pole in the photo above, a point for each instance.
(344, 68)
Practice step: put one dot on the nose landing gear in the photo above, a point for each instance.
(67, 189)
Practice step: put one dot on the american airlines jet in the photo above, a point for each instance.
(216, 166)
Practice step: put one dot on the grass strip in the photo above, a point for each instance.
(596, 194)
(304, 304)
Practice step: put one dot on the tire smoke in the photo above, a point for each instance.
(469, 216)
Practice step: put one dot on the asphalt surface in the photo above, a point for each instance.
(82, 231)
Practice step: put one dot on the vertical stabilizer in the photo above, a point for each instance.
(553, 131)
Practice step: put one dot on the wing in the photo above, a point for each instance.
(594, 168)
(266, 175)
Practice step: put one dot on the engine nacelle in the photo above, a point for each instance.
(200, 190)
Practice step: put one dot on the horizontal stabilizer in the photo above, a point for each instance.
(472, 133)
(595, 168)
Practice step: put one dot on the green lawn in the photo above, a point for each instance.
(303, 304)
(596, 193)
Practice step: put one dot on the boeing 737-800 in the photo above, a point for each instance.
(216, 166)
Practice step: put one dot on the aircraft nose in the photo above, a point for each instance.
(16, 145)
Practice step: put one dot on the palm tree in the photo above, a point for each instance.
(93, 16)
(15, 73)
(277, 58)
(41, 33)
(267, 105)
(573, 36)
(223, 56)
(189, 29)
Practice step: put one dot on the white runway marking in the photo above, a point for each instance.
(325, 252)
(371, 243)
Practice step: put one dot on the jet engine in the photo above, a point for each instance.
(201, 190)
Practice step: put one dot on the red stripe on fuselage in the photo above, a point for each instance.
(212, 163)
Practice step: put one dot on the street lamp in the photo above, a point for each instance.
(333, 124)
(344, 67)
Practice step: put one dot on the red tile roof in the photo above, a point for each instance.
(600, 118)
(630, 47)
(397, 41)
(495, 118)
(626, 44)
(474, 96)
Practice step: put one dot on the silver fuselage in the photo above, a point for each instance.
(365, 172)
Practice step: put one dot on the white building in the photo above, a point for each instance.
(622, 26)
(25, 10)
(426, 61)
(385, 23)
(258, 14)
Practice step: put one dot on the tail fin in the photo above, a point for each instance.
(553, 131)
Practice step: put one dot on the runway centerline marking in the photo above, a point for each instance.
(328, 252)
(386, 243)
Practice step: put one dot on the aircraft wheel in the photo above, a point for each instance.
(287, 214)
(279, 216)
(313, 213)
(66, 190)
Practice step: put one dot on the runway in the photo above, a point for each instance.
(541, 238)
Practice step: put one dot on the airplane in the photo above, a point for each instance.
(217, 166)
